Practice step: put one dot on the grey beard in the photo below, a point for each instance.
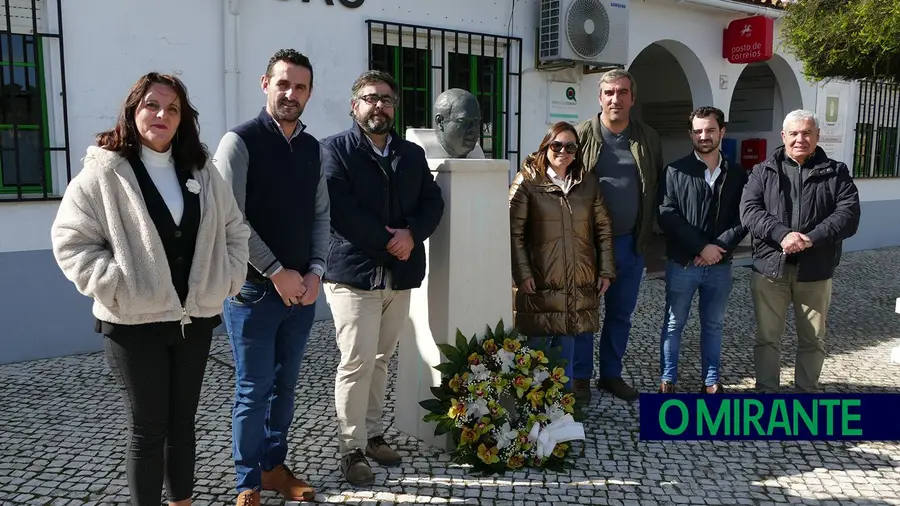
(369, 126)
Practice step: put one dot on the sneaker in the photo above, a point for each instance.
(582, 389)
(248, 498)
(382, 452)
(666, 388)
(356, 469)
(618, 388)
(283, 481)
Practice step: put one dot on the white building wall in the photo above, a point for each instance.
(108, 44)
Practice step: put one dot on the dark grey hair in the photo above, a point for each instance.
(616, 74)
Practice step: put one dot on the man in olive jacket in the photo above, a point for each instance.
(626, 157)
(800, 206)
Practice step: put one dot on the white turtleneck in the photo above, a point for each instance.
(161, 168)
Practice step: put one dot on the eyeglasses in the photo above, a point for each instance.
(386, 100)
(557, 146)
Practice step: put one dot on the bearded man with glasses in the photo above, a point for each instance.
(384, 205)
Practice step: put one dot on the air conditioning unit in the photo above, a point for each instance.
(590, 32)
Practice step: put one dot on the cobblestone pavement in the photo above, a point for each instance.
(62, 437)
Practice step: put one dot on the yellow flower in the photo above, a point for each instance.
(455, 383)
(499, 382)
(474, 359)
(511, 345)
(521, 384)
(524, 444)
(488, 455)
(483, 426)
(553, 393)
(539, 356)
(457, 409)
(523, 362)
(515, 462)
(568, 403)
(496, 409)
(490, 347)
(560, 450)
(468, 436)
(536, 397)
(480, 390)
(559, 375)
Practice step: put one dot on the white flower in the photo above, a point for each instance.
(540, 375)
(505, 436)
(193, 186)
(478, 408)
(507, 359)
(480, 372)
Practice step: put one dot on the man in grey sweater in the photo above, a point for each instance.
(275, 169)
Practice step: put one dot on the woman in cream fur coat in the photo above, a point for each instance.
(152, 233)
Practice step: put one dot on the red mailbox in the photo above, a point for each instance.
(753, 151)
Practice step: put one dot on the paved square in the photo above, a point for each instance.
(62, 436)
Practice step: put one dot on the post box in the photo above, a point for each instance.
(753, 151)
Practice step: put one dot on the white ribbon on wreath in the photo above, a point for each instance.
(561, 430)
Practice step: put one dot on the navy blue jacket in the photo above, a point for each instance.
(693, 215)
(365, 198)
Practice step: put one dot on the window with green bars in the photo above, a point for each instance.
(410, 67)
(24, 161)
(483, 77)
(876, 151)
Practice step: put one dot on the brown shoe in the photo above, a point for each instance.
(712, 389)
(618, 388)
(283, 481)
(666, 388)
(582, 390)
(382, 452)
(248, 498)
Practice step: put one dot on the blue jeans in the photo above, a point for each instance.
(268, 340)
(714, 283)
(567, 351)
(619, 301)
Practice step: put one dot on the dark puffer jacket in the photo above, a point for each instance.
(829, 214)
(564, 242)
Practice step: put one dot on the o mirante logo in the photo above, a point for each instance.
(770, 416)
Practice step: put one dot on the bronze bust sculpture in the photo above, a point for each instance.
(457, 122)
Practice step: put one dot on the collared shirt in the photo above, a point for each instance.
(565, 184)
(711, 177)
(387, 146)
(299, 128)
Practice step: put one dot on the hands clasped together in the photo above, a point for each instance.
(295, 288)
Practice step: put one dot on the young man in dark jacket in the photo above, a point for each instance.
(274, 167)
(800, 206)
(384, 205)
(699, 214)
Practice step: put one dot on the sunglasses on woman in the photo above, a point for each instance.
(570, 147)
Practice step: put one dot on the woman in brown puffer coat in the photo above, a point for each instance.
(562, 252)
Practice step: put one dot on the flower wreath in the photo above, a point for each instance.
(504, 403)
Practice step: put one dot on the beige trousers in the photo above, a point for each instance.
(771, 298)
(368, 325)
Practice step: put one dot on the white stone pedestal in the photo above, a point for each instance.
(468, 282)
